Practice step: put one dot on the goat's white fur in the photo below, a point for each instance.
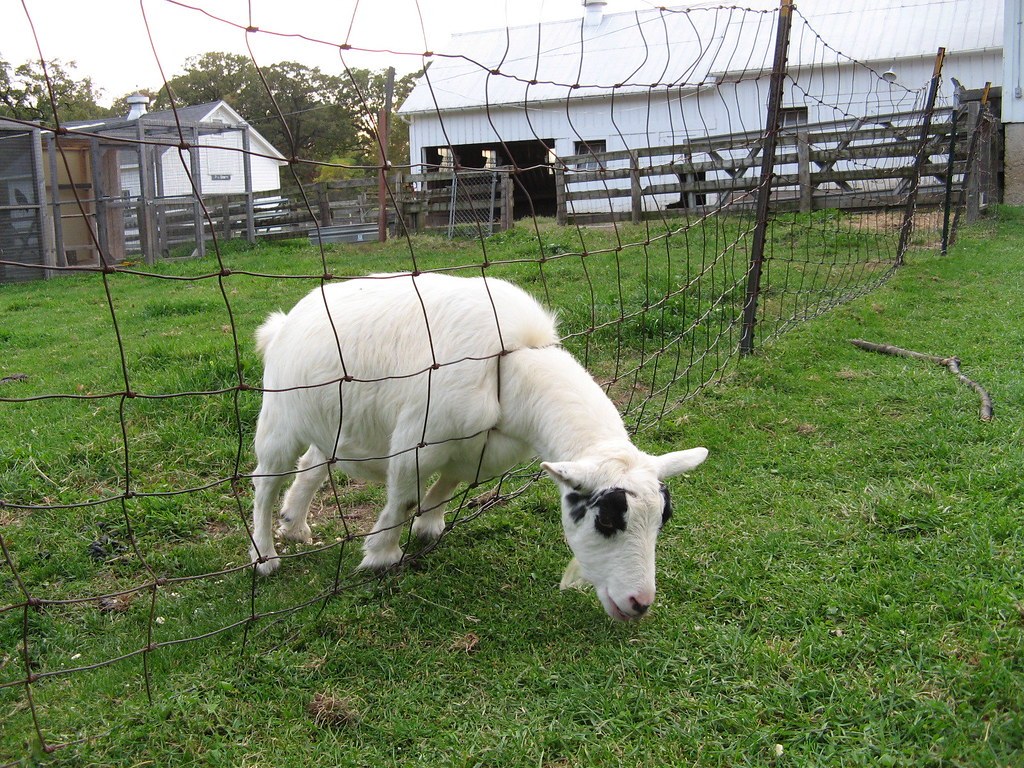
(397, 379)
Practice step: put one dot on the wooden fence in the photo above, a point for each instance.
(862, 164)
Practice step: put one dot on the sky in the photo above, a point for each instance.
(108, 40)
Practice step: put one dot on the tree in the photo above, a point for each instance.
(293, 106)
(365, 96)
(25, 93)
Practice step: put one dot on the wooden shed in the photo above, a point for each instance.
(123, 188)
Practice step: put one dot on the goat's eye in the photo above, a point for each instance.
(666, 513)
(611, 512)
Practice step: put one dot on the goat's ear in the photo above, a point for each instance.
(672, 464)
(570, 474)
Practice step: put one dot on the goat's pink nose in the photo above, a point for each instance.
(640, 604)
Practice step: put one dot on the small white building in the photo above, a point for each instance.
(219, 132)
(529, 95)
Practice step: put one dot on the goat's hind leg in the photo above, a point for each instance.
(267, 481)
(310, 475)
(276, 451)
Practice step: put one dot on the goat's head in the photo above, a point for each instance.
(612, 511)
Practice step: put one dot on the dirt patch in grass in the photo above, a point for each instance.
(359, 514)
(330, 711)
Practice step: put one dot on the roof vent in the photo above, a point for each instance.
(137, 104)
(593, 12)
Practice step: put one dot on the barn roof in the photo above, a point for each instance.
(690, 46)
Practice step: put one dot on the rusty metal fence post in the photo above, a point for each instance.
(947, 202)
(764, 190)
(922, 153)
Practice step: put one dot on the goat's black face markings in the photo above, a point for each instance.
(611, 511)
(666, 514)
(610, 505)
(577, 505)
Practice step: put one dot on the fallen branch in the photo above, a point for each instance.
(952, 364)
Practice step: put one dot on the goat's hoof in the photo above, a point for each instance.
(301, 533)
(427, 530)
(381, 561)
(271, 562)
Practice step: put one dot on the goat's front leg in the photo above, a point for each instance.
(429, 524)
(382, 548)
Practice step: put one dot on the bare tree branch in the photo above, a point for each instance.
(952, 364)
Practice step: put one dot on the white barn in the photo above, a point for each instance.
(529, 95)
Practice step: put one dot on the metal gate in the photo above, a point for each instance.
(472, 210)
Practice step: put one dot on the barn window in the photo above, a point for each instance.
(791, 117)
(590, 147)
(447, 158)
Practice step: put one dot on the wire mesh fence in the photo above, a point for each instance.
(132, 392)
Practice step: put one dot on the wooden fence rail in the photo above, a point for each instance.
(862, 163)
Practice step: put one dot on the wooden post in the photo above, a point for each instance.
(507, 200)
(947, 198)
(382, 177)
(163, 244)
(561, 214)
(803, 155)
(144, 209)
(636, 200)
(195, 171)
(764, 190)
(225, 217)
(324, 204)
(41, 208)
(974, 177)
(58, 222)
(250, 214)
(922, 150)
(382, 140)
(99, 207)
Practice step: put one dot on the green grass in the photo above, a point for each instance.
(843, 578)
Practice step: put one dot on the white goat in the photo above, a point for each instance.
(396, 379)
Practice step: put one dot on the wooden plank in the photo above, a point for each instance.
(561, 212)
(597, 194)
(804, 172)
(636, 202)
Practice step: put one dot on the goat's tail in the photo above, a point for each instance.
(266, 332)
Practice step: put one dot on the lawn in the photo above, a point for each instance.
(842, 583)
